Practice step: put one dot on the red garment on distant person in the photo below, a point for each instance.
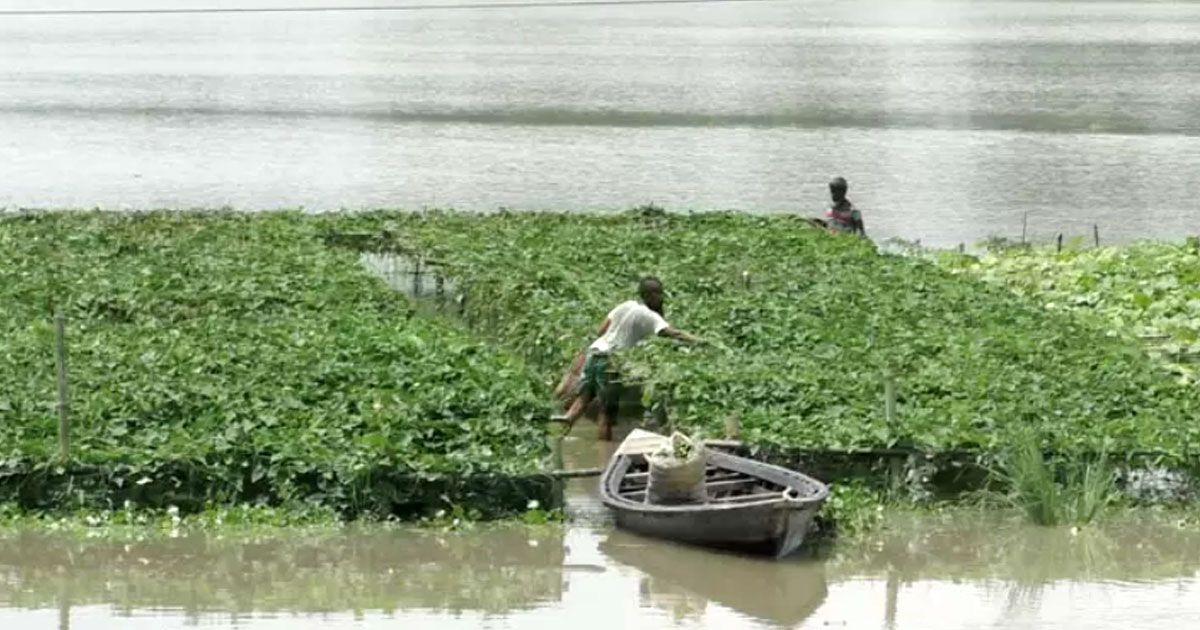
(842, 216)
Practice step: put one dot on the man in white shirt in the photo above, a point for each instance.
(626, 325)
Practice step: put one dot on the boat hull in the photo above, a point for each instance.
(774, 526)
(767, 530)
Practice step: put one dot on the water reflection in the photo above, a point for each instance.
(682, 580)
(999, 547)
(1019, 567)
(505, 570)
(974, 571)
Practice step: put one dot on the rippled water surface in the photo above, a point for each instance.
(951, 119)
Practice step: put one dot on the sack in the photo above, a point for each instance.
(677, 472)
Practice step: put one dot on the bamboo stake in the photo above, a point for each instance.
(580, 472)
(60, 361)
(733, 426)
(889, 399)
(416, 278)
(1096, 233)
(1060, 242)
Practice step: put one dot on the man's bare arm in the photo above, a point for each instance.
(675, 333)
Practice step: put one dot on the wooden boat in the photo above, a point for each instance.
(750, 505)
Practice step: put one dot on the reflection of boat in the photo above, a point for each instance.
(783, 593)
(750, 505)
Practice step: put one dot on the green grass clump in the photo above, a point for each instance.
(1054, 492)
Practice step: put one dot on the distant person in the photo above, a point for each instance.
(843, 217)
(624, 327)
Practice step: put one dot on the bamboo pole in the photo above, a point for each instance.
(889, 399)
(580, 472)
(1059, 248)
(60, 361)
(733, 426)
(1096, 233)
(416, 278)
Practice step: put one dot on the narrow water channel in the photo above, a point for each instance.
(930, 572)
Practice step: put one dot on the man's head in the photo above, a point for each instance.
(650, 291)
(838, 188)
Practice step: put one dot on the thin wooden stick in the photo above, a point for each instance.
(60, 361)
(1096, 233)
(416, 278)
(579, 472)
(1060, 242)
(889, 400)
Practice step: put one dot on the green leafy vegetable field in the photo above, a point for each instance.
(813, 325)
(1147, 291)
(224, 358)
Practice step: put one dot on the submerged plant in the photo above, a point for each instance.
(853, 508)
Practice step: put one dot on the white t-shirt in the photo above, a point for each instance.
(629, 323)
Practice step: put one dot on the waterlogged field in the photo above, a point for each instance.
(226, 358)
(809, 328)
(221, 358)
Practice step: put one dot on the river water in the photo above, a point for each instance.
(953, 120)
(959, 572)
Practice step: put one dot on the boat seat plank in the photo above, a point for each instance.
(732, 484)
(759, 496)
(644, 475)
(635, 484)
(640, 497)
(639, 493)
(711, 487)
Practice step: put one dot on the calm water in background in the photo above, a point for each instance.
(950, 119)
(930, 573)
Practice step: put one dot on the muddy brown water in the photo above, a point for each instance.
(929, 572)
(953, 119)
